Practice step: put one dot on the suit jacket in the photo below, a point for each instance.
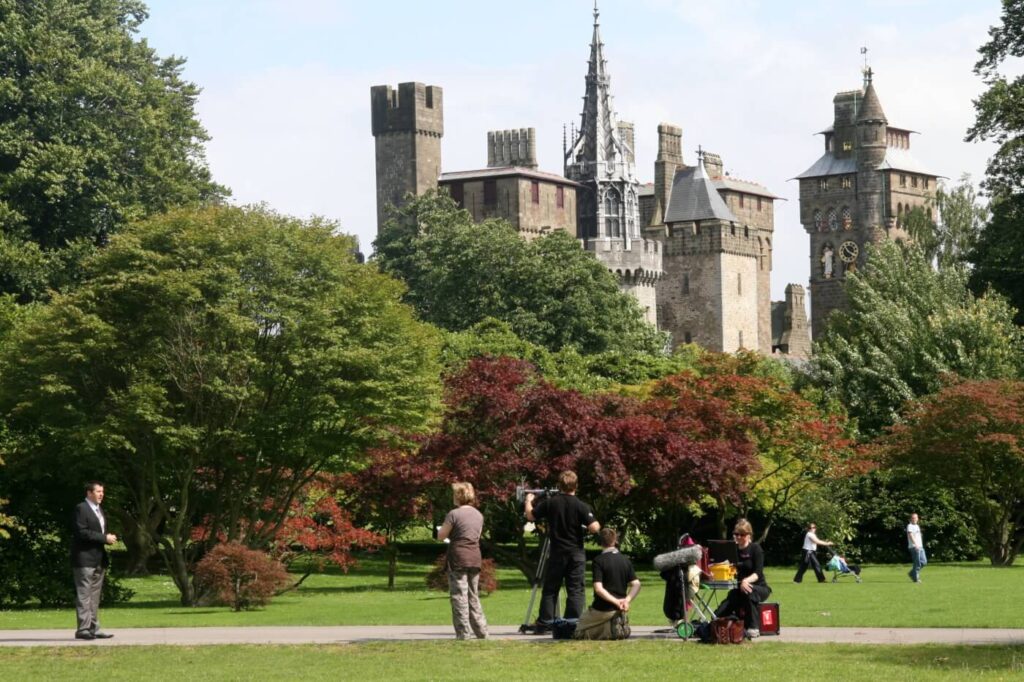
(88, 543)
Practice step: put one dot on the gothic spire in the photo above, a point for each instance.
(597, 142)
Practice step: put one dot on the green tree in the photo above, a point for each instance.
(999, 255)
(211, 364)
(550, 291)
(948, 241)
(908, 325)
(96, 130)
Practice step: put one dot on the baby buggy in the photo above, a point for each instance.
(841, 569)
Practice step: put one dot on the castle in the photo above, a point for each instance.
(694, 247)
(857, 193)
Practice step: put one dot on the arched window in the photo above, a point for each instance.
(611, 212)
(847, 218)
(833, 219)
(818, 224)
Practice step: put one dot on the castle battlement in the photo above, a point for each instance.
(515, 147)
(413, 107)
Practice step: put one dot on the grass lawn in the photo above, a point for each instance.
(952, 595)
(535, 660)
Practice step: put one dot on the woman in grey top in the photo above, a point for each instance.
(462, 527)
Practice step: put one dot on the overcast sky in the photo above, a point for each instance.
(286, 85)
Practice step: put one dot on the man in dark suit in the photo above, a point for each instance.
(89, 561)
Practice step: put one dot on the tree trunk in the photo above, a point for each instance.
(139, 545)
(177, 566)
(392, 564)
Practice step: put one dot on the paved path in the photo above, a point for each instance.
(369, 633)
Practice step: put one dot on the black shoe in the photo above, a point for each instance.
(84, 634)
(101, 635)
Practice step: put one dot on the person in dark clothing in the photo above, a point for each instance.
(568, 520)
(615, 587)
(744, 600)
(89, 560)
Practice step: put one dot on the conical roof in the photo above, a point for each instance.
(871, 107)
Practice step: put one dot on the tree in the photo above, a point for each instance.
(96, 130)
(970, 437)
(948, 241)
(908, 325)
(998, 109)
(212, 363)
(550, 291)
(999, 253)
(388, 495)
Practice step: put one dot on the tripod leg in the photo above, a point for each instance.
(537, 582)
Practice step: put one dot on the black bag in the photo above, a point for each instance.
(563, 628)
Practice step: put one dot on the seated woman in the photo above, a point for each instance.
(743, 601)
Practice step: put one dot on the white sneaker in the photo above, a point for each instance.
(753, 633)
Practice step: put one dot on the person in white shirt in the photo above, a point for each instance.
(810, 555)
(916, 547)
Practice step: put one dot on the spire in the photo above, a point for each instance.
(597, 141)
(871, 107)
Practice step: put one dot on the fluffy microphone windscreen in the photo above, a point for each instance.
(686, 555)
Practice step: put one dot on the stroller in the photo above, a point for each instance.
(840, 568)
(682, 570)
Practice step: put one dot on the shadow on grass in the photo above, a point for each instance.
(935, 657)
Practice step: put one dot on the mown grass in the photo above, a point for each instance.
(952, 595)
(448, 660)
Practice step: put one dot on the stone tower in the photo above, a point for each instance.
(857, 194)
(408, 124)
(601, 160)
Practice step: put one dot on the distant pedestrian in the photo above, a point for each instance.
(915, 545)
(462, 528)
(810, 555)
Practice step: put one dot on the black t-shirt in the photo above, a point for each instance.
(615, 572)
(751, 560)
(567, 518)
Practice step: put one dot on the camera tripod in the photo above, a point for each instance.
(538, 581)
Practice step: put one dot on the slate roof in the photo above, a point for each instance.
(901, 159)
(504, 172)
(829, 165)
(727, 182)
(695, 197)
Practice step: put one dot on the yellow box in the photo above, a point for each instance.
(723, 571)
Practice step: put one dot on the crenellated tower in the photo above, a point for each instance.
(601, 160)
(408, 124)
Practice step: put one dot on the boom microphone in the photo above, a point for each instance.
(686, 555)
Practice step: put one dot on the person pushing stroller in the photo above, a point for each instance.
(810, 555)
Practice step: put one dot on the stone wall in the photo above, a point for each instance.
(514, 203)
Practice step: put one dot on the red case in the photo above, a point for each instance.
(770, 618)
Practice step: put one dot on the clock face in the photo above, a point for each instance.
(848, 252)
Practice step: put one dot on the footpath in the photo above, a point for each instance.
(378, 633)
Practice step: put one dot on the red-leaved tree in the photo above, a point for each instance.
(970, 436)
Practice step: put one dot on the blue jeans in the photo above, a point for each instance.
(920, 560)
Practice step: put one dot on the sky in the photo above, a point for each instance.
(286, 86)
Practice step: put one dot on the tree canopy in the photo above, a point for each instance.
(970, 437)
(908, 325)
(211, 363)
(96, 130)
(550, 291)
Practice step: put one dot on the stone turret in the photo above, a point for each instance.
(407, 125)
(668, 161)
(871, 137)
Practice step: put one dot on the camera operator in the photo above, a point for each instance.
(568, 521)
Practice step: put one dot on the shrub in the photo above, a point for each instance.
(240, 577)
(437, 579)
(35, 568)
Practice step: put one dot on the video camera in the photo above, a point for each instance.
(522, 491)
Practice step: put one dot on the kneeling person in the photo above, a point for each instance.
(615, 586)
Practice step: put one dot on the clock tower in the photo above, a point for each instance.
(857, 194)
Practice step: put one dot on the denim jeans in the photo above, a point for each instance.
(920, 560)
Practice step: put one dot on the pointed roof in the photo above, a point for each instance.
(870, 107)
(597, 139)
(695, 197)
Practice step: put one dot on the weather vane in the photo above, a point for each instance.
(867, 69)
